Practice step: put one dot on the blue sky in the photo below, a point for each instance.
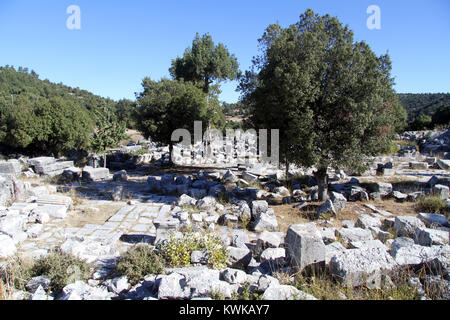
(121, 42)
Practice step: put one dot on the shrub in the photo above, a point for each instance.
(14, 274)
(178, 250)
(433, 204)
(223, 197)
(61, 268)
(139, 262)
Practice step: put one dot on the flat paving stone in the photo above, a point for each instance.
(140, 227)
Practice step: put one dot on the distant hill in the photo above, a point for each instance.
(426, 103)
(25, 84)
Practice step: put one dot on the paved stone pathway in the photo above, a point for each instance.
(128, 225)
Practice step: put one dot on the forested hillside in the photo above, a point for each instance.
(38, 116)
(426, 103)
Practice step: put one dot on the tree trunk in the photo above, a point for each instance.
(170, 154)
(322, 181)
(287, 170)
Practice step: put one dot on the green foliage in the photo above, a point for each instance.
(15, 273)
(422, 122)
(204, 63)
(38, 116)
(442, 116)
(178, 250)
(330, 97)
(61, 268)
(109, 131)
(431, 204)
(168, 105)
(139, 262)
(246, 294)
(323, 287)
(423, 103)
(223, 197)
(126, 112)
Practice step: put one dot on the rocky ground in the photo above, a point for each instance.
(364, 236)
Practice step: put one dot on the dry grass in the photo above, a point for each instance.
(133, 135)
(290, 216)
(89, 216)
(352, 211)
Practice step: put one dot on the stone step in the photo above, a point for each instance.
(55, 199)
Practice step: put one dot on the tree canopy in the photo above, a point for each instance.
(41, 117)
(167, 105)
(205, 63)
(330, 97)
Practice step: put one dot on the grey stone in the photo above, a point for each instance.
(338, 200)
(405, 226)
(239, 258)
(186, 200)
(242, 211)
(94, 174)
(34, 230)
(347, 235)
(429, 237)
(240, 238)
(331, 249)
(118, 284)
(173, 286)
(441, 190)
(230, 177)
(367, 244)
(234, 276)
(399, 196)
(380, 234)
(7, 246)
(443, 164)
(206, 203)
(383, 188)
(55, 199)
(285, 292)
(268, 239)
(55, 211)
(265, 221)
(365, 221)
(34, 283)
(40, 294)
(326, 209)
(258, 207)
(418, 165)
(12, 166)
(431, 219)
(120, 176)
(12, 224)
(274, 256)
(304, 245)
(328, 234)
(414, 255)
(356, 267)
(265, 281)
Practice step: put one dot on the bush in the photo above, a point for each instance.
(14, 274)
(139, 262)
(178, 250)
(433, 204)
(61, 268)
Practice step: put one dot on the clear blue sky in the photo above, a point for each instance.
(121, 42)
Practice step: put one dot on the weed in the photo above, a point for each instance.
(139, 262)
(61, 268)
(178, 250)
(432, 204)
